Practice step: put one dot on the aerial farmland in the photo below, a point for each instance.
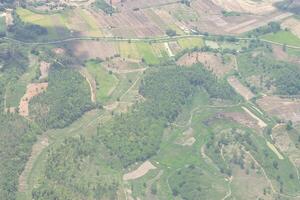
(149, 100)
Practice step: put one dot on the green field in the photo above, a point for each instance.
(105, 81)
(189, 43)
(283, 37)
(56, 24)
(146, 53)
(2, 25)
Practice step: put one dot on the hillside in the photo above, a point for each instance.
(149, 100)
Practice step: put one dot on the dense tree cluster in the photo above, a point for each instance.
(26, 31)
(271, 27)
(136, 136)
(284, 76)
(104, 6)
(72, 166)
(66, 99)
(17, 137)
(289, 5)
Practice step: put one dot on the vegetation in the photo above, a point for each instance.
(105, 81)
(283, 37)
(103, 5)
(284, 76)
(136, 136)
(66, 99)
(289, 5)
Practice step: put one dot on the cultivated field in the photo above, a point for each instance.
(283, 108)
(218, 64)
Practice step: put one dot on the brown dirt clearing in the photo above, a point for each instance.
(32, 90)
(214, 62)
(139, 172)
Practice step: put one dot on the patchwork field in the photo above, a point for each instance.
(123, 110)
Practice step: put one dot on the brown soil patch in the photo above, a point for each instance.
(139, 172)
(246, 6)
(283, 108)
(44, 68)
(122, 65)
(240, 89)
(33, 89)
(59, 51)
(213, 62)
(187, 138)
(37, 148)
(293, 25)
(242, 118)
(279, 53)
(94, 49)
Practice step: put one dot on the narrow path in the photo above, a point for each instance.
(37, 148)
(91, 81)
(43, 142)
(266, 176)
(229, 188)
(149, 184)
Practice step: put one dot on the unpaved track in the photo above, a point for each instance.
(149, 184)
(37, 148)
(266, 176)
(91, 81)
(260, 122)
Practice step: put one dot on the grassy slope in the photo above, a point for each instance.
(105, 81)
(283, 37)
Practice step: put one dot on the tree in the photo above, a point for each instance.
(289, 125)
(171, 32)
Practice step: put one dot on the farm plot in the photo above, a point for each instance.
(129, 50)
(217, 63)
(292, 24)
(240, 88)
(147, 53)
(283, 37)
(105, 81)
(189, 43)
(142, 4)
(247, 6)
(83, 22)
(94, 49)
(55, 23)
(282, 108)
(212, 18)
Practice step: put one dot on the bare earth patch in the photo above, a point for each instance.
(283, 108)
(242, 118)
(239, 88)
(32, 90)
(187, 138)
(139, 172)
(274, 149)
(44, 68)
(260, 122)
(293, 25)
(211, 61)
(247, 6)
